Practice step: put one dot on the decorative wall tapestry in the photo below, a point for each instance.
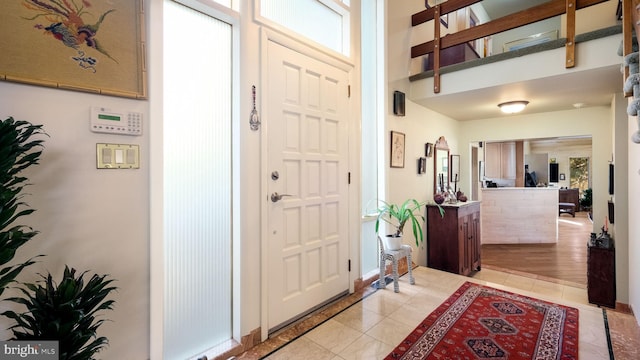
(86, 45)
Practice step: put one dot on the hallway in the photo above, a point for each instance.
(565, 261)
(368, 325)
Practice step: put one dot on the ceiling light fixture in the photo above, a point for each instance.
(512, 107)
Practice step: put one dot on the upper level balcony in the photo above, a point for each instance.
(481, 50)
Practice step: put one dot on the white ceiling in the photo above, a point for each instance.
(590, 88)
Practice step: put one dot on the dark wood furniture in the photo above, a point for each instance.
(568, 201)
(566, 208)
(570, 196)
(453, 241)
(601, 276)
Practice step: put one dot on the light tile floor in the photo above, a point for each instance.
(371, 328)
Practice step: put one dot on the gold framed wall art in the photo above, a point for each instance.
(86, 45)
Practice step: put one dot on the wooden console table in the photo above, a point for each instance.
(453, 241)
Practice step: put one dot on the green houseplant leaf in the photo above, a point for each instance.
(19, 149)
(398, 216)
(586, 200)
(66, 311)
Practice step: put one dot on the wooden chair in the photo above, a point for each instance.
(567, 208)
(568, 201)
(394, 256)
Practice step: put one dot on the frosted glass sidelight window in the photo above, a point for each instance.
(197, 181)
(324, 22)
(372, 155)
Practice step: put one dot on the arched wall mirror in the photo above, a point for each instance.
(441, 165)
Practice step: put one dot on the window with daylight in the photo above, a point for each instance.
(326, 22)
(372, 126)
(579, 173)
(197, 181)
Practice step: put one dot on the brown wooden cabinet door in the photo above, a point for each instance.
(442, 239)
(464, 238)
(453, 241)
(475, 241)
(493, 161)
(601, 276)
(508, 160)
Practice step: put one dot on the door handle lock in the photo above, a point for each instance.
(275, 197)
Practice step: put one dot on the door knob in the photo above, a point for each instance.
(275, 197)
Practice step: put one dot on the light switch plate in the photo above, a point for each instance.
(117, 156)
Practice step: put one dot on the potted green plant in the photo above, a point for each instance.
(586, 200)
(398, 216)
(19, 149)
(66, 311)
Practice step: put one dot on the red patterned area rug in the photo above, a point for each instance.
(480, 322)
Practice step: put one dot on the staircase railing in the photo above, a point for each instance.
(512, 21)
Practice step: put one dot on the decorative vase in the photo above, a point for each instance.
(392, 242)
(438, 198)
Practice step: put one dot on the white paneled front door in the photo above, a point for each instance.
(306, 124)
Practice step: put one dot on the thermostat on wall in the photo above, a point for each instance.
(104, 120)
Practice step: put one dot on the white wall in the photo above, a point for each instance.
(521, 33)
(420, 125)
(620, 228)
(95, 220)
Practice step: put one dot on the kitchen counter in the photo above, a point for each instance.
(445, 205)
(519, 215)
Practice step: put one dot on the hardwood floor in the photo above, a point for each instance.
(566, 260)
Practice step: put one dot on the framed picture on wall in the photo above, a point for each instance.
(397, 149)
(422, 165)
(428, 149)
(92, 46)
